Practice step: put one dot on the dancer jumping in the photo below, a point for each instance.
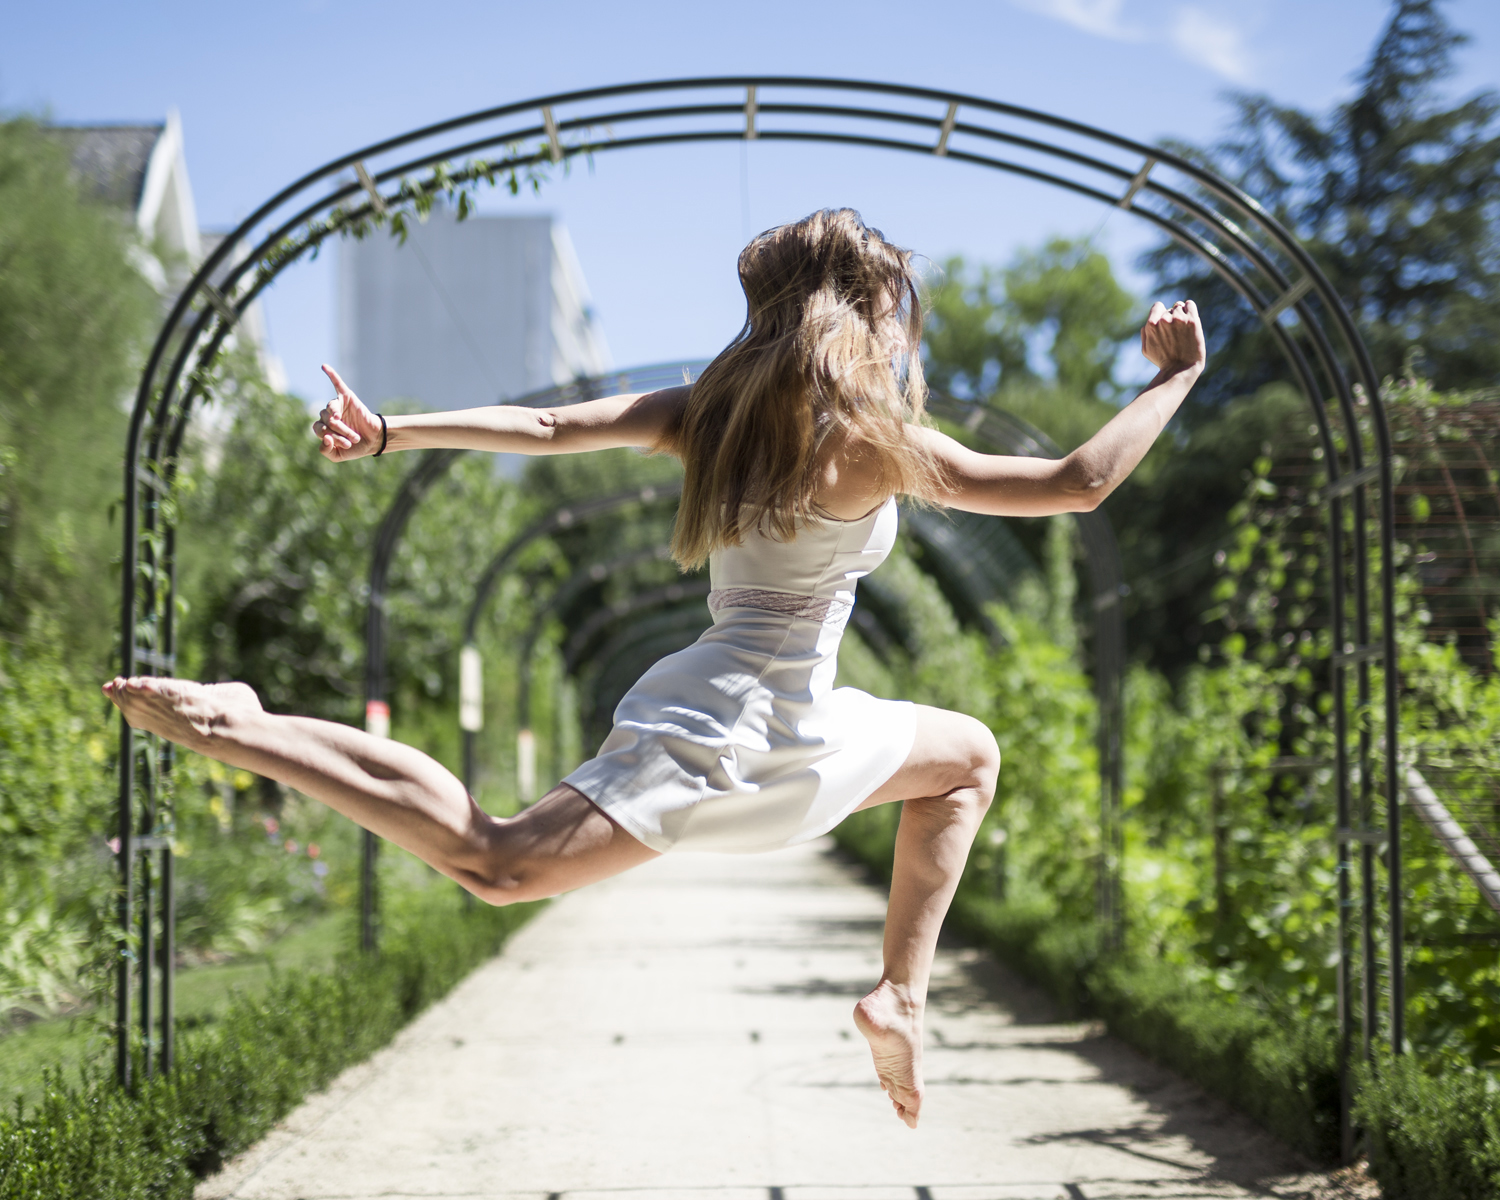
(794, 443)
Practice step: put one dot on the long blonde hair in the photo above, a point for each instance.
(809, 369)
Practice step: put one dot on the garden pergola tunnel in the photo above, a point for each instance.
(390, 182)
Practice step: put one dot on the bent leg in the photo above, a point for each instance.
(391, 789)
(944, 787)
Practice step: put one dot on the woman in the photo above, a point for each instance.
(794, 443)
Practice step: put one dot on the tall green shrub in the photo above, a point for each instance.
(55, 804)
(74, 313)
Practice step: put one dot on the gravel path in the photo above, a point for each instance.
(683, 1032)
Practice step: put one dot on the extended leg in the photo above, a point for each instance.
(944, 787)
(397, 792)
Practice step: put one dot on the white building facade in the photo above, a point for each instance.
(465, 313)
(141, 170)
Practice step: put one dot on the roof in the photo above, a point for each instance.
(112, 158)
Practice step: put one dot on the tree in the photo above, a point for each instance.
(1395, 193)
(1171, 515)
(73, 314)
(1061, 301)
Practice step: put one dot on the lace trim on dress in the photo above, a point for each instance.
(788, 604)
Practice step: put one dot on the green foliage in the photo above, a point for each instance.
(241, 1075)
(56, 799)
(983, 324)
(1048, 795)
(1430, 1133)
(73, 313)
(252, 861)
(1450, 722)
(523, 168)
(244, 874)
(1172, 516)
(1395, 192)
(1281, 1071)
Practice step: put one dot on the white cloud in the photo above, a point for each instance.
(1202, 37)
(1099, 17)
(1212, 42)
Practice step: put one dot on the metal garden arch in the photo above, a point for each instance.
(385, 182)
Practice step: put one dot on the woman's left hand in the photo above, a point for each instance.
(346, 427)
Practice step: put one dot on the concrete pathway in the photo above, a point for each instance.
(683, 1033)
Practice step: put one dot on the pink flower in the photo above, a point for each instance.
(291, 846)
(313, 850)
(271, 825)
(114, 845)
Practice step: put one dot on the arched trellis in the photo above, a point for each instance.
(564, 517)
(1212, 218)
(567, 594)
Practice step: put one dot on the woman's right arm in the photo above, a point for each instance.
(1013, 486)
(347, 429)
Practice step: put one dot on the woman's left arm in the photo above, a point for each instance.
(348, 429)
(1012, 486)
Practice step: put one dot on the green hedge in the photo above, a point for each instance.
(1282, 1073)
(1431, 1136)
(1431, 1127)
(236, 1078)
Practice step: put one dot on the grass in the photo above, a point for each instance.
(202, 994)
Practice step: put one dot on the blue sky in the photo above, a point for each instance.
(267, 91)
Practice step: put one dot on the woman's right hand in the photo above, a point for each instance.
(1172, 338)
(346, 427)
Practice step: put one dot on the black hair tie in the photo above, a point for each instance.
(384, 433)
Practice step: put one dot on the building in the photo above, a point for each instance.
(465, 313)
(141, 170)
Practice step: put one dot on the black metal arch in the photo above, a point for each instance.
(1214, 219)
(433, 465)
(557, 604)
(563, 517)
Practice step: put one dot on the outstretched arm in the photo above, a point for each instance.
(1012, 486)
(348, 429)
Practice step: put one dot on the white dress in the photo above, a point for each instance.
(741, 743)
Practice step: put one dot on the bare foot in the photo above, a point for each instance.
(179, 710)
(892, 1023)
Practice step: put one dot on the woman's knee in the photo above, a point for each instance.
(500, 880)
(560, 843)
(976, 756)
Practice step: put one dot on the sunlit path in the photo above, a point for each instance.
(683, 1031)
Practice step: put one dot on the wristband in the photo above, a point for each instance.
(384, 433)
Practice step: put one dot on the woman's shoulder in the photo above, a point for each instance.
(853, 484)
